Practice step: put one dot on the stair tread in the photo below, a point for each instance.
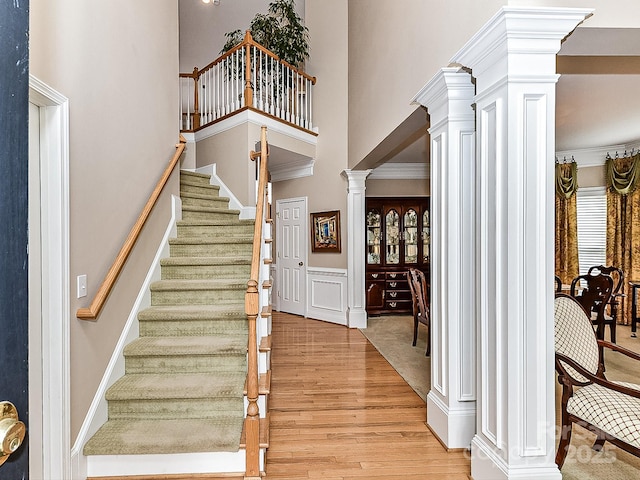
(193, 312)
(204, 240)
(177, 386)
(214, 223)
(122, 437)
(199, 284)
(204, 196)
(238, 260)
(198, 208)
(188, 345)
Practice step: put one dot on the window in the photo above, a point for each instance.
(592, 227)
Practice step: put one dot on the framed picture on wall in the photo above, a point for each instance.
(325, 232)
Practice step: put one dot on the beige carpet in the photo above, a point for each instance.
(392, 336)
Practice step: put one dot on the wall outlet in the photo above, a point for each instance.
(82, 286)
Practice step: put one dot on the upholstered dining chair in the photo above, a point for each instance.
(593, 292)
(616, 301)
(609, 409)
(420, 301)
(558, 284)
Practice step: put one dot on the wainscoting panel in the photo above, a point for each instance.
(327, 294)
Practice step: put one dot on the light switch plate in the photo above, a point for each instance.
(82, 286)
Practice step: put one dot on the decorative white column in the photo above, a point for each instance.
(451, 406)
(513, 60)
(356, 310)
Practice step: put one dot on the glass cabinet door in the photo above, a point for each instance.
(392, 237)
(374, 226)
(410, 236)
(426, 236)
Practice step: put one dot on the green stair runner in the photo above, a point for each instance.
(184, 376)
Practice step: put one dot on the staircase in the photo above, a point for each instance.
(183, 391)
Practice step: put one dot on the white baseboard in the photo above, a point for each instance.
(177, 463)
(234, 203)
(454, 427)
(487, 464)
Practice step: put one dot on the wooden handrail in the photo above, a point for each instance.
(252, 309)
(94, 309)
(249, 41)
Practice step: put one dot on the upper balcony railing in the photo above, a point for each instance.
(246, 77)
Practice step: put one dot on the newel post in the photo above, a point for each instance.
(248, 91)
(196, 100)
(252, 421)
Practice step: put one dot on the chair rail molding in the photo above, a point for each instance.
(512, 59)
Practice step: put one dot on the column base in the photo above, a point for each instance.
(356, 318)
(486, 464)
(454, 427)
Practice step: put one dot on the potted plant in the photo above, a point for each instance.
(281, 31)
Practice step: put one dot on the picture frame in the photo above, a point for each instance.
(325, 232)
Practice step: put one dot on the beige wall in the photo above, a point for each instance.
(229, 150)
(327, 188)
(591, 176)
(395, 48)
(202, 27)
(117, 63)
(405, 188)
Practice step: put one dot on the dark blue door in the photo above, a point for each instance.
(14, 103)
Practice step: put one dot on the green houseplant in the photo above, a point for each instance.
(281, 31)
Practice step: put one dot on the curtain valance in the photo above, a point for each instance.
(622, 174)
(566, 179)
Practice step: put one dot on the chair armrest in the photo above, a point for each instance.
(618, 348)
(594, 379)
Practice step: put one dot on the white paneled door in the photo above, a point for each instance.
(291, 246)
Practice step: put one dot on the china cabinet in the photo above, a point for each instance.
(397, 238)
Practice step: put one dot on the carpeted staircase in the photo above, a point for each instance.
(183, 388)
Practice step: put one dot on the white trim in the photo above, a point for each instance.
(292, 170)
(97, 414)
(327, 294)
(596, 156)
(250, 116)
(54, 158)
(400, 171)
(177, 463)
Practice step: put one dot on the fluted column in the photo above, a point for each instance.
(513, 60)
(451, 406)
(356, 309)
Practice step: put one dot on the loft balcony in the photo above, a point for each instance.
(248, 77)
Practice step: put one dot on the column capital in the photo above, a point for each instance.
(356, 178)
(532, 32)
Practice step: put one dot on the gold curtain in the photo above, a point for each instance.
(623, 222)
(566, 233)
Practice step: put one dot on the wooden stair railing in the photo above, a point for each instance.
(252, 309)
(94, 309)
(246, 77)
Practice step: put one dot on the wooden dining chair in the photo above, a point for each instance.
(593, 292)
(558, 284)
(609, 409)
(616, 301)
(420, 301)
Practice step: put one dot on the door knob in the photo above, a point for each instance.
(12, 431)
(300, 264)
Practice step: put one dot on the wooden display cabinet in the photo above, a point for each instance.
(397, 238)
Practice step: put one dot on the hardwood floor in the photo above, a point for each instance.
(339, 411)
